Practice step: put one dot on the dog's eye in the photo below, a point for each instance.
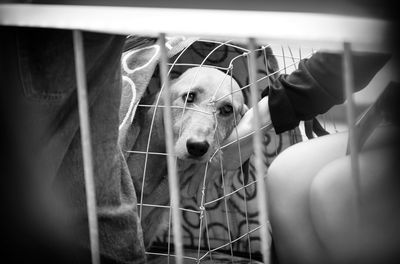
(189, 97)
(226, 110)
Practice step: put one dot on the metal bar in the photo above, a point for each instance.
(326, 29)
(86, 145)
(269, 86)
(169, 234)
(352, 142)
(241, 174)
(172, 170)
(203, 215)
(257, 144)
(228, 225)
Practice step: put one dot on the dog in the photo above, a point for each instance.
(206, 104)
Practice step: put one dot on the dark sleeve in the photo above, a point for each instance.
(316, 86)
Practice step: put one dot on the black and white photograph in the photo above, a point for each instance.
(200, 132)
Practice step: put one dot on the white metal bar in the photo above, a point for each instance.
(293, 58)
(228, 225)
(258, 161)
(350, 114)
(169, 233)
(269, 85)
(241, 173)
(203, 215)
(86, 145)
(173, 179)
(328, 30)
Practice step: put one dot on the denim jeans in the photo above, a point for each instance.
(45, 196)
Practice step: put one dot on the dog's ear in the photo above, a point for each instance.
(244, 109)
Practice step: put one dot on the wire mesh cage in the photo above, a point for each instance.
(219, 206)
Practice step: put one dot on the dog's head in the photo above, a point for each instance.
(206, 106)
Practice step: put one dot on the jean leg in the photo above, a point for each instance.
(40, 107)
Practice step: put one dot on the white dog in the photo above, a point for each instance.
(206, 106)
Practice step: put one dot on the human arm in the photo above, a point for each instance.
(317, 85)
(311, 90)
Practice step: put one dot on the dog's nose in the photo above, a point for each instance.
(197, 148)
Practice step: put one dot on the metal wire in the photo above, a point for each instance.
(232, 193)
(226, 244)
(225, 201)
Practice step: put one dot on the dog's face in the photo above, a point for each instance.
(207, 104)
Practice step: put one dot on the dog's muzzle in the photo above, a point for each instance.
(197, 148)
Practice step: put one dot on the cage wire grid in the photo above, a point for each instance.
(287, 61)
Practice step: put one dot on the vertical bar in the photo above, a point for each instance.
(171, 159)
(349, 88)
(241, 168)
(269, 85)
(86, 145)
(223, 190)
(259, 166)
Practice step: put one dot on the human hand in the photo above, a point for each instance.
(235, 154)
